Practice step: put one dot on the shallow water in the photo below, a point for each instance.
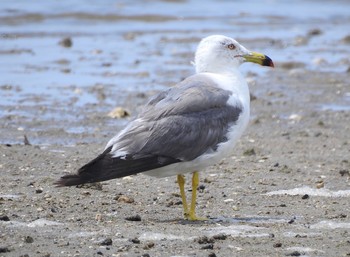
(121, 48)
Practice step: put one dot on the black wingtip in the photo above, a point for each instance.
(69, 180)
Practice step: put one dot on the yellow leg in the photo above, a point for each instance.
(189, 215)
(195, 182)
(181, 182)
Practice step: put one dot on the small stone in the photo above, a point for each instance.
(107, 241)
(291, 221)
(98, 217)
(346, 39)
(145, 255)
(4, 250)
(295, 253)
(314, 32)
(135, 240)
(66, 70)
(66, 42)
(134, 218)
(39, 190)
(28, 239)
(172, 203)
(124, 199)
(220, 236)
(212, 255)
(344, 172)
(306, 196)
(4, 218)
(201, 188)
(118, 113)
(207, 180)
(277, 245)
(249, 152)
(208, 247)
(149, 245)
(320, 123)
(204, 240)
(319, 184)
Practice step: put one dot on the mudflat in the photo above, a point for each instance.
(285, 191)
(65, 68)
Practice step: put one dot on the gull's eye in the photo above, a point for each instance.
(231, 46)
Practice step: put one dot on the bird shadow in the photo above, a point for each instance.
(226, 220)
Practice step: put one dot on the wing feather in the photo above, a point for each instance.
(177, 125)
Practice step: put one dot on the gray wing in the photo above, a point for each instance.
(181, 123)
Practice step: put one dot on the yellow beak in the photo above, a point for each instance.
(258, 58)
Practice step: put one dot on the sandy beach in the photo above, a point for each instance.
(284, 192)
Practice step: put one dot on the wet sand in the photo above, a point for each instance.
(284, 192)
(286, 147)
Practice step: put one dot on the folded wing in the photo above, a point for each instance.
(177, 125)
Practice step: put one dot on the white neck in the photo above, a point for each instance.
(215, 68)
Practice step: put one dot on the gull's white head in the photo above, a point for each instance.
(221, 54)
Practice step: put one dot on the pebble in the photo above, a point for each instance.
(291, 221)
(314, 32)
(344, 172)
(124, 199)
(208, 246)
(204, 240)
(220, 236)
(66, 42)
(135, 240)
(4, 218)
(28, 239)
(107, 241)
(319, 184)
(118, 113)
(306, 196)
(201, 188)
(249, 152)
(149, 245)
(346, 39)
(134, 218)
(207, 180)
(4, 250)
(295, 253)
(39, 190)
(98, 217)
(277, 245)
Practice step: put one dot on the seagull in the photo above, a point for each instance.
(185, 128)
